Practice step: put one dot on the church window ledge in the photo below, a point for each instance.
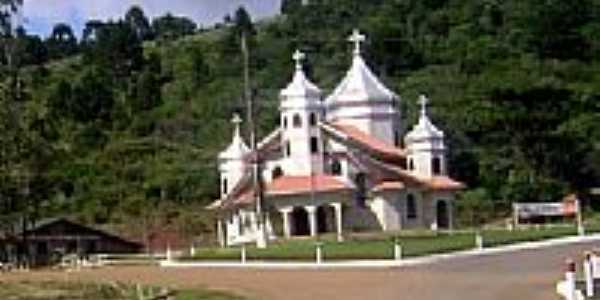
(336, 168)
(436, 165)
(297, 121)
(411, 207)
(313, 119)
(314, 145)
(288, 149)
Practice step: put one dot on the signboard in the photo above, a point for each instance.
(528, 210)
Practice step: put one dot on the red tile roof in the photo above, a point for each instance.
(305, 184)
(444, 183)
(363, 139)
(389, 185)
(289, 185)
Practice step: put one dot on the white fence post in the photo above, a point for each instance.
(479, 241)
(589, 275)
(193, 250)
(243, 254)
(570, 287)
(319, 254)
(397, 250)
(169, 254)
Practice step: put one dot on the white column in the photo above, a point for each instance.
(338, 221)
(589, 276)
(287, 226)
(220, 233)
(312, 219)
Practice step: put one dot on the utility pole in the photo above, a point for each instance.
(261, 234)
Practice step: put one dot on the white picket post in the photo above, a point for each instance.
(570, 291)
(243, 254)
(169, 254)
(319, 253)
(397, 251)
(193, 250)
(479, 241)
(589, 275)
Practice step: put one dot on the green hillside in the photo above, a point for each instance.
(127, 126)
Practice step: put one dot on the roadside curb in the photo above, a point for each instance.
(379, 264)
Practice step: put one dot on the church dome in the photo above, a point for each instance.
(300, 86)
(360, 84)
(425, 129)
(237, 149)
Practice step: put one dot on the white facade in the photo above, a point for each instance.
(232, 165)
(361, 100)
(336, 166)
(301, 111)
(425, 146)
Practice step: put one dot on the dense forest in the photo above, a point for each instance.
(123, 125)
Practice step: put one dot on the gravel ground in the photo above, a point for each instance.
(529, 274)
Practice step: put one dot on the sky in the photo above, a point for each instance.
(41, 15)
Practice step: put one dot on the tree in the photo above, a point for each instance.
(136, 18)
(171, 27)
(92, 97)
(243, 22)
(62, 42)
(148, 91)
(115, 47)
(290, 6)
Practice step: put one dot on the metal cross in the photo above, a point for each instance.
(357, 38)
(236, 121)
(299, 56)
(423, 101)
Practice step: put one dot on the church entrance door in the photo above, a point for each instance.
(300, 222)
(442, 213)
(322, 213)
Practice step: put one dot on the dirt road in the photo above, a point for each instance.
(528, 275)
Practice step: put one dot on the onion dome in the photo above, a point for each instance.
(424, 130)
(237, 149)
(301, 86)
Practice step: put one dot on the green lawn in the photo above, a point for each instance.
(381, 246)
(81, 291)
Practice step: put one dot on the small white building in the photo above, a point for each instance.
(337, 165)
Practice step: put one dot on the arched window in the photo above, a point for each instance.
(285, 122)
(277, 172)
(436, 165)
(361, 189)
(411, 164)
(297, 121)
(411, 207)
(288, 149)
(313, 119)
(314, 145)
(225, 186)
(336, 168)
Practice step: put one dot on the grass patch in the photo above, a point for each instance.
(86, 291)
(502, 237)
(381, 246)
(205, 295)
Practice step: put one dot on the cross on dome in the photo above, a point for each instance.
(298, 56)
(423, 101)
(357, 38)
(236, 121)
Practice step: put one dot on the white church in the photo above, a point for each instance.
(335, 164)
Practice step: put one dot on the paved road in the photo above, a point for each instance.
(527, 275)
